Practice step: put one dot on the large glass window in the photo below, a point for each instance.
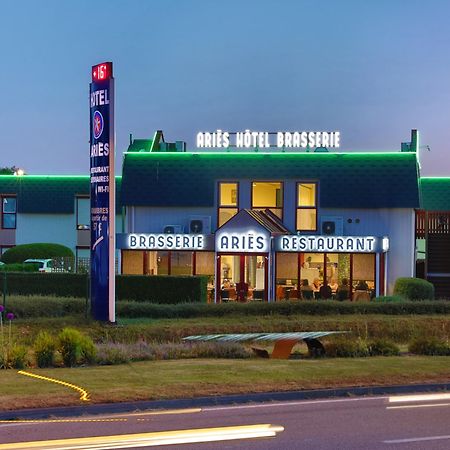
(181, 263)
(306, 206)
(228, 202)
(268, 195)
(9, 210)
(83, 216)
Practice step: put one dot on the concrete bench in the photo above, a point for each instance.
(284, 342)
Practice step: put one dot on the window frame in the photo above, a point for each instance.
(297, 207)
(262, 208)
(2, 197)
(219, 200)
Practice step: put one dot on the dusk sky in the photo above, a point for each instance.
(371, 69)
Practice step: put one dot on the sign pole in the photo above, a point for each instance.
(102, 190)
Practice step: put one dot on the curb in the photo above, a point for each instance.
(126, 407)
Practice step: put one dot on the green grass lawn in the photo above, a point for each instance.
(191, 378)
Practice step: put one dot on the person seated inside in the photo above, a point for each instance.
(343, 291)
(316, 285)
(242, 291)
(325, 292)
(361, 292)
(333, 285)
(306, 290)
(362, 286)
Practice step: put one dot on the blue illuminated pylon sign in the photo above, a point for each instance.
(102, 190)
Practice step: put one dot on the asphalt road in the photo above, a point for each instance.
(398, 422)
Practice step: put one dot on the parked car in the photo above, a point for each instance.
(44, 265)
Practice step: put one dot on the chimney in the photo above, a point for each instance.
(414, 141)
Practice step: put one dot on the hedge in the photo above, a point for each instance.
(414, 289)
(55, 307)
(155, 289)
(19, 267)
(20, 253)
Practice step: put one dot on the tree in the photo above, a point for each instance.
(8, 170)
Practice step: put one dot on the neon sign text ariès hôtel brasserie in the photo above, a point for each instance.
(266, 139)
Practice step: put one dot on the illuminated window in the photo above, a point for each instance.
(268, 195)
(9, 210)
(228, 202)
(306, 206)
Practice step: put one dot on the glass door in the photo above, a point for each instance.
(242, 278)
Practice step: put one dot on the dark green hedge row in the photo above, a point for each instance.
(53, 307)
(20, 253)
(155, 289)
(135, 309)
(161, 289)
(16, 267)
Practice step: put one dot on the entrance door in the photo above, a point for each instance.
(242, 278)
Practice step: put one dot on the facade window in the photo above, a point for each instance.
(83, 208)
(268, 195)
(9, 212)
(228, 202)
(306, 217)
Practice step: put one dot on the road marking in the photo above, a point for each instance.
(163, 412)
(419, 398)
(84, 395)
(430, 405)
(419, 439)
(25, 421)
(294, 403)
(152, 439)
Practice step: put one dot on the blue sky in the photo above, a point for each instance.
(371, 69)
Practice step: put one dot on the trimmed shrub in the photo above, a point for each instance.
(19, 267)
(44, 349)
(414, 289)
(383, 347)
(162, 289)
(429, 346)
(345, 347)
(389, 299)
(154, 289)
(20, 253)
(70, 344)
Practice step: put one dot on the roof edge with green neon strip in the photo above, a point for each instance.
(435, 193)
(50, 194)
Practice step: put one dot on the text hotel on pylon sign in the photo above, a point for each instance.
(102, 191)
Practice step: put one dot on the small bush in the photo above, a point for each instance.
(346, 348)
(44, 349)
(18, 357)
(88, 351)
(20, 253)
(70, 345)
(414, 289)
(112, 354)
(429, 346)
(383, 347)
